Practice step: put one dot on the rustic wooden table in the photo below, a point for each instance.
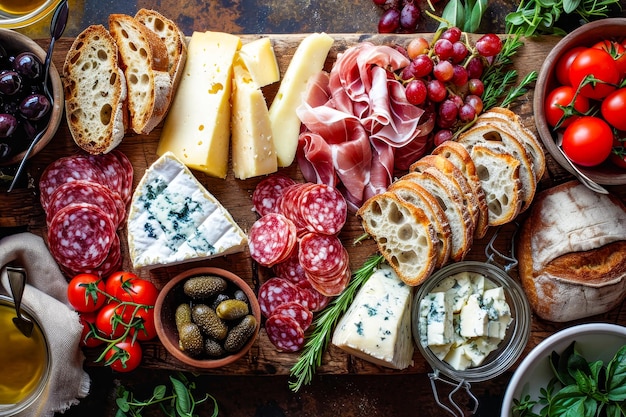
(257, 384)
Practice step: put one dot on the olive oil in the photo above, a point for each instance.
(20, 6)
(23, 360)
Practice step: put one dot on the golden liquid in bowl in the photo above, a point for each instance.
(20, 6)
(23, 360)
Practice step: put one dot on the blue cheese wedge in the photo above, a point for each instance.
(174, 219)
(377, 325)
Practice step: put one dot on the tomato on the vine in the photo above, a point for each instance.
(127, 286)
(146, 329)
(588, 141)
(564, 96)
(564, 63)
(616, 50)
(85, 293)
(124, 356)
(598, 64)
(613, 109)
(618, 153)
(109, 321)
(87, 338)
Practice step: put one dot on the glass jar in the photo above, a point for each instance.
(21, 13)
(25, 361)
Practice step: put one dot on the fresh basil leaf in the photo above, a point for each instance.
(570, 6)
(577, 363)
(614, 410)
(616, 376)
(159, 392)
(183, 403)
(453, 14)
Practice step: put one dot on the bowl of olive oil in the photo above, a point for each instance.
(21, 13)
(24, 361)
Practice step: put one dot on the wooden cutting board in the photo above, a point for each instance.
(21, 209)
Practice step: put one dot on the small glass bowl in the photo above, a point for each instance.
(14, 20)
(38, 388)
(509, 350)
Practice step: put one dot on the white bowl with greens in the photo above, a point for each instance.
(593, 342)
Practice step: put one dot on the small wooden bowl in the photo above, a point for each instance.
(15, 43)
(171, 296)
(586, 35)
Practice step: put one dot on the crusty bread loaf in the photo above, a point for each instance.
(145, 63)
(413, 193)
(172, 37)
(452, 204)
(572, 253)
(498, 171)
(458, 155)
(95, 91)
(404, 236)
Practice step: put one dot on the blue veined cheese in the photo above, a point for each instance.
(457, 358)
(459, 287)
(174, 219)
(474, 318)
(436, 310)
(479, 348)
(377, 325)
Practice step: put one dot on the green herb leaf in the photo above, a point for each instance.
(475, 14)
(616, 376)
(453, 14)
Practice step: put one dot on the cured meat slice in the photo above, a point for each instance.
(285, 333)
(112, 169)
(290, 269)
(331, 286)
(297, 311)
(267, 194)
(274, 292)
(67, 169)
(89, 192)
(321, 254)
(127, 174)
(112, 263)
(323, 209)
(311, 298)
(271, 239)
(80, 236)
(290, 202)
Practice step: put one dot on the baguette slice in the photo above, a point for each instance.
(403, 234)
(458, 155)
(145, 62)
(414, 194)
(95, 91)
(172, 37)
(498, 171)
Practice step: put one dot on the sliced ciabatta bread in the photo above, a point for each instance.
(498, 171)
(95, 91)
(403, 234)
(489, 135)
(144, 60)
(511, 123)
(172, 37)
(460, 157)
(414, 194)
(451, 203)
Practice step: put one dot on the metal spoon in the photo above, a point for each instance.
(588, 182)
(17, 282)
(57, 27)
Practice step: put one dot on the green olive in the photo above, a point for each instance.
(232, 309)
(182, 315)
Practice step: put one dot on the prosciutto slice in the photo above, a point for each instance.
(355, 118)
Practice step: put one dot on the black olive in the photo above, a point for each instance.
(28, 65)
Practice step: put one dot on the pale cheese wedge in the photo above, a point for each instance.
(252, 146)
(307, 61)
(197, 127)
(173, 219)
(258, 56)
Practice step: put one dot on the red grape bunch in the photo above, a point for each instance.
(399, 16)
(444, 77)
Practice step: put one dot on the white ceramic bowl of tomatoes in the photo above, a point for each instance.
(594, 133)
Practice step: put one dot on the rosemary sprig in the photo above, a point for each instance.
(323, 325)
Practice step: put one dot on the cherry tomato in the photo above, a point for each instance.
(127, 286)
(87, 338)
(564, 96)
(147, 328)
(109, 321)
(599, 64)
(85, 293)
(124, 356)
(564, 63)
(618, 153)
(613, 109)
(617, 51)
(588, 141)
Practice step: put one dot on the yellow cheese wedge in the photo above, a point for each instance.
(252, 146)
(197, 127)
(260, 60)
(307, 61)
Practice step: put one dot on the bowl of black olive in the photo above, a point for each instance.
(207, 317)
(25, 108)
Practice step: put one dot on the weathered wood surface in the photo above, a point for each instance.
(22, 209)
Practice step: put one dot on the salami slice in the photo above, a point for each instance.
(290, 269)
(80, 236)
(311, 298)
(127, 174)
(112, 263)
(112, 169)
(289, 203)
(321, 254)
(333, 285)
(67, 169)
(296, 311)
(323, 209)
(274, 292)
(285, 333)
(89, 192)
(267, 194)
(271, 239)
